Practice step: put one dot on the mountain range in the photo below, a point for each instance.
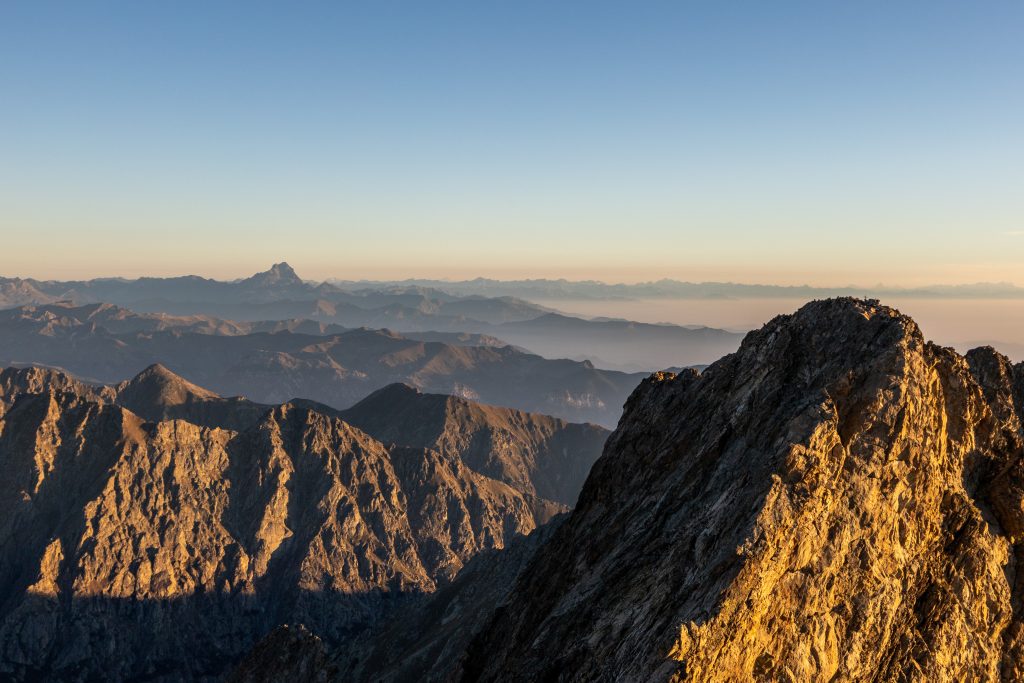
(263, 301)
(153, 530)
(104, 343)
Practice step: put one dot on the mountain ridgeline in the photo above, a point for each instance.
(839, 500)
(152, 529)
(105, 343)
(279, 299)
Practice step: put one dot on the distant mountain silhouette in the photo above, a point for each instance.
(280, 274)
(276, 293)
(279, 294)
(335, 369)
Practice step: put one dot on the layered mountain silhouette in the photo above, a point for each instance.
(272, 293)
(154, 529)
(279, 294)
(105, 343)
(63, 318)
(839, 500)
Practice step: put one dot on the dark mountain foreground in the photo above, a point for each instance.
(152, 530)
(839, 500)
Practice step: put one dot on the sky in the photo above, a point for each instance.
(823, 143)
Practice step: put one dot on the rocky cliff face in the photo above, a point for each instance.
(163, 549)
(155, 394)
(839, 500)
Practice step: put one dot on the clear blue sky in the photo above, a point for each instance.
(821, 142)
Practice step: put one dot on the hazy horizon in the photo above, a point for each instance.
(313, 275)
(972, 318)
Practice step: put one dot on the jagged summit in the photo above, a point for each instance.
(278, 274)
(837, 500)
(40, 380)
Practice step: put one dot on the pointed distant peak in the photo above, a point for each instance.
(283, 270)
(157, 370)
(279, 274)
(159, 380)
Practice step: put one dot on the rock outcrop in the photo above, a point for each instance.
(146, 549)
(837, 501)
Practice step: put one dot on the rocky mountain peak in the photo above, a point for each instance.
(838, 500)
(278, 274)
(158, 386)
